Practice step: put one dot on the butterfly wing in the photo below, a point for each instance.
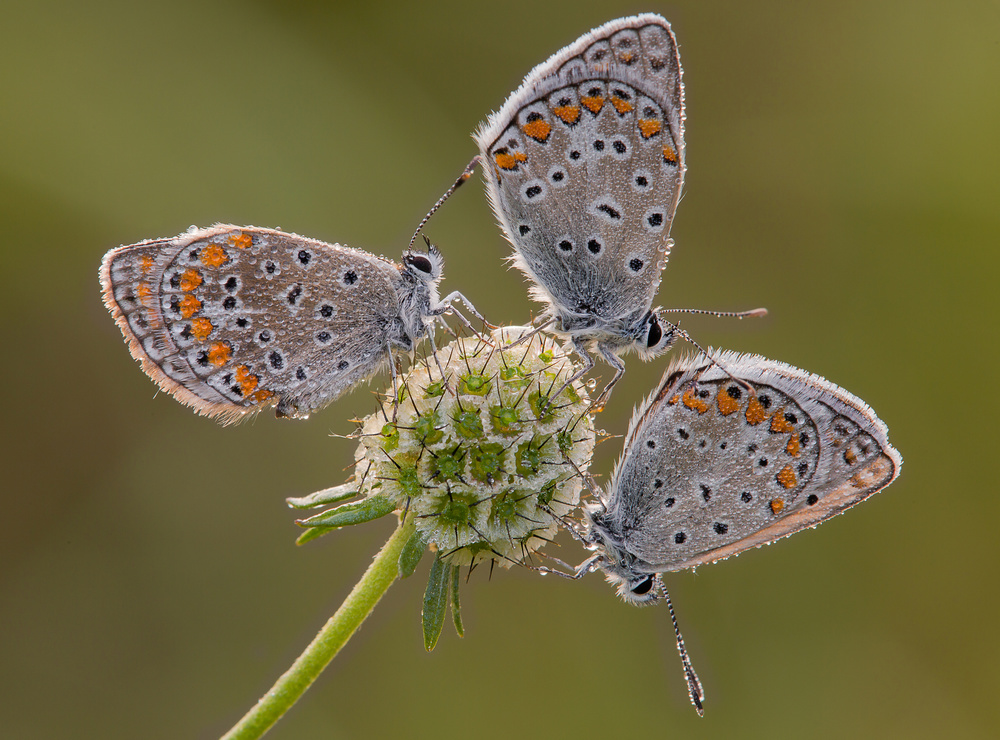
(584, 165)
(710, 469)
(232, 319)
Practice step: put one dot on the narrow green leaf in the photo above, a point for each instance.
(313, 533)
(411, 553)
(456, 609)
(435, 602)
(359, 512)
(326, 496)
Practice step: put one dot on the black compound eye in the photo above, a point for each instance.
(419, 262)
(643, 586)
(655, 333)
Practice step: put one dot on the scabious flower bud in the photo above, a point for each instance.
(480, 460)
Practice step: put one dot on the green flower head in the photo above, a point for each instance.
(484, 458)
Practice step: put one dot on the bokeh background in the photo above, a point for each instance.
(843, 172)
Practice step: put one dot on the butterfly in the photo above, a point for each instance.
(584, 165)
(232, 319)
(731, 452)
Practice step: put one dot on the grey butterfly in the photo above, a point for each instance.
(584, 164)
(718, 461)
(233, 319)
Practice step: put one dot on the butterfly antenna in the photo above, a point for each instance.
(447, 194)
(753, 313)
(688, 338)
(695, 690)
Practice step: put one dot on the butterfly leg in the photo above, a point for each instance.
(615, 361)
(465, 321)
(444, 325)
(530, 334)
(394, 372)
(446, 304)
(590, 564)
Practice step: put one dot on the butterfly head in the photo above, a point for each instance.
(638, 589)
(620, 567)
(424, 267)
(653, 337)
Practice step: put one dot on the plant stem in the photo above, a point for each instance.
(334, 635)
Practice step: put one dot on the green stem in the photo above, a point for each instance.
(334, 635)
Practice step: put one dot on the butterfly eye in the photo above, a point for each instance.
(419, 262)
(642, 587)
(655, 332)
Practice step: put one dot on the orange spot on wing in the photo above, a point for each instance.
(755, 412)
(143, 291)
(794, 446)
(214, 256)
(621, 105)
(190, 279)
(568, 113)
(593, 104)
(507, 161)
(189, 306)
(786, 477)
(246, 380)
(781, 425)
(539, 129)
(261, 396)
(849, 457)
(240, 241)
(673, 399)
(669, 155)
(693, 402)
(220, 353)
(777, 505)
(726, 403)
(146, 263)
(504, 161)
(649, 127)
(201, 328)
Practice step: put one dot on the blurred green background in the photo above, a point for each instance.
(843, 161)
